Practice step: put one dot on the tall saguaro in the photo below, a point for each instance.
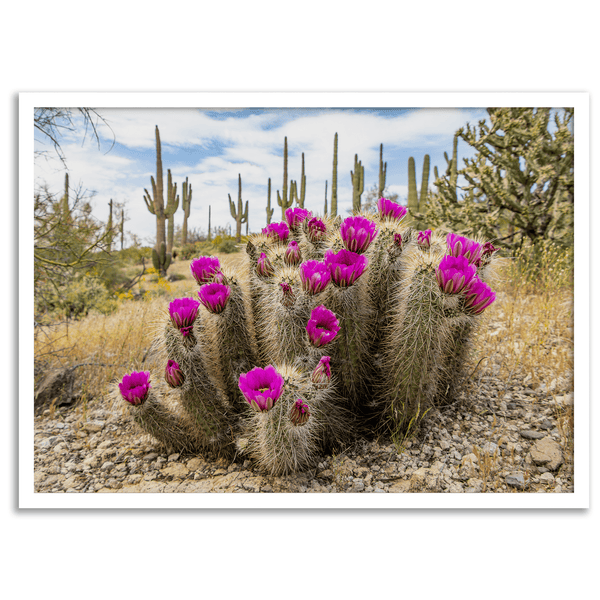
(240, 216)
(334, 178)
(283, 199)
(156, 205)
(382, 171)
(186, 201)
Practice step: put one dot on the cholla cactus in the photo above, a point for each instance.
(332, 329)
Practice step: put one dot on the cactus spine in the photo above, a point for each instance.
(358, 183)
(269, 209)
(294, 190)
(334, 177)
(283, 199)
(155, 204)
(186, 201)
(240, 216)
(382, 172)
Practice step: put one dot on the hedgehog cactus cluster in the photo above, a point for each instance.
(331, 330)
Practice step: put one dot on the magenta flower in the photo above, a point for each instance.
(358, 233)
(295, 216)
(398, 240)
(489, 249)
(424, 238)
(261, 387)
(478, 296)
(135, 387)
(278, 230)
(316, 230)
(214, 296)
(263, 266)
(300, 412)
(205, 268)
(173, 374)
(322, 326)
(390, 209)
(183, 312)
(315, 276)
(462, 246)
(321, 376)
(288, 294)
(292, 256)
(345, 266)
(454, 273)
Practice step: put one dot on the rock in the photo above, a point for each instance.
(548, 453)
(530, 434)
(515, 480)
(58, 387)
(175, 470)
(475, 486)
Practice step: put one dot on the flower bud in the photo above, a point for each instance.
(173, 374)
(300, 412)
(321, 376)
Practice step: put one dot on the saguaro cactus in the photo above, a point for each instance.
(155, 204)
(269, 209)
(424, 185)
(413, 198)
(122, 227)
(209, 238)
(64, 202)
(240, 216)
(186, 201)
(170, 210)
(358, 183)
(283, 199)
(325, 206)
(109, 226)
(334, 177)
(294, 190)
(382, 172)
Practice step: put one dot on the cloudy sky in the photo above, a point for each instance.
(212, 146)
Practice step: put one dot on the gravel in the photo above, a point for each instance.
(498, 438)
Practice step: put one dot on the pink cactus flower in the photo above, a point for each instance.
(173, 374)
(214, 296)
(462, 246)
(280, 231)
(390, 209)
(317, 230)
(292, 256)
(321, 375)
(261, 387)
(300, 413)
(315, 276)
(322, 326)
(205, 268)
(478, 296)
(454, 273)
(183, 312)
(296, 216)
(424, 238)
(135, 386)
(263, 266)
(358, 233)
(345, 266)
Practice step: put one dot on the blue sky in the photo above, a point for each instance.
(212, 146)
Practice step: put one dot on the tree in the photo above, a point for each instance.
(54, 122)
(369, 202)
(519, 185)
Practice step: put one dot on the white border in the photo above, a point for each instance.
(578, 499)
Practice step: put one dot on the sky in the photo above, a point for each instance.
(211, 147)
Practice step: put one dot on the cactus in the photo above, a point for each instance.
(413, 198)
(452, 169)
(325, 206)
(186, 201)
(155, 204)
(240, 216)
(424, 185)
(109, 226)
(64, 202)
(269, 209)
(283, 199)
(333, 211)
(171, 209)
(357, 177)
(279, 362)
(382, 172)
(161, 260)
(122, 227)
(294, 190)
(209, 238)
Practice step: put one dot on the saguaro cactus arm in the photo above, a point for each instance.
(269, 209)
(334, 178)
(283, 200)
(382, 172)
(358, 183)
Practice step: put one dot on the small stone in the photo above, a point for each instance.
(547, 453)
(173, 457)
(530, 434)
(547, 478)
(515, 480)
(94, 426)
